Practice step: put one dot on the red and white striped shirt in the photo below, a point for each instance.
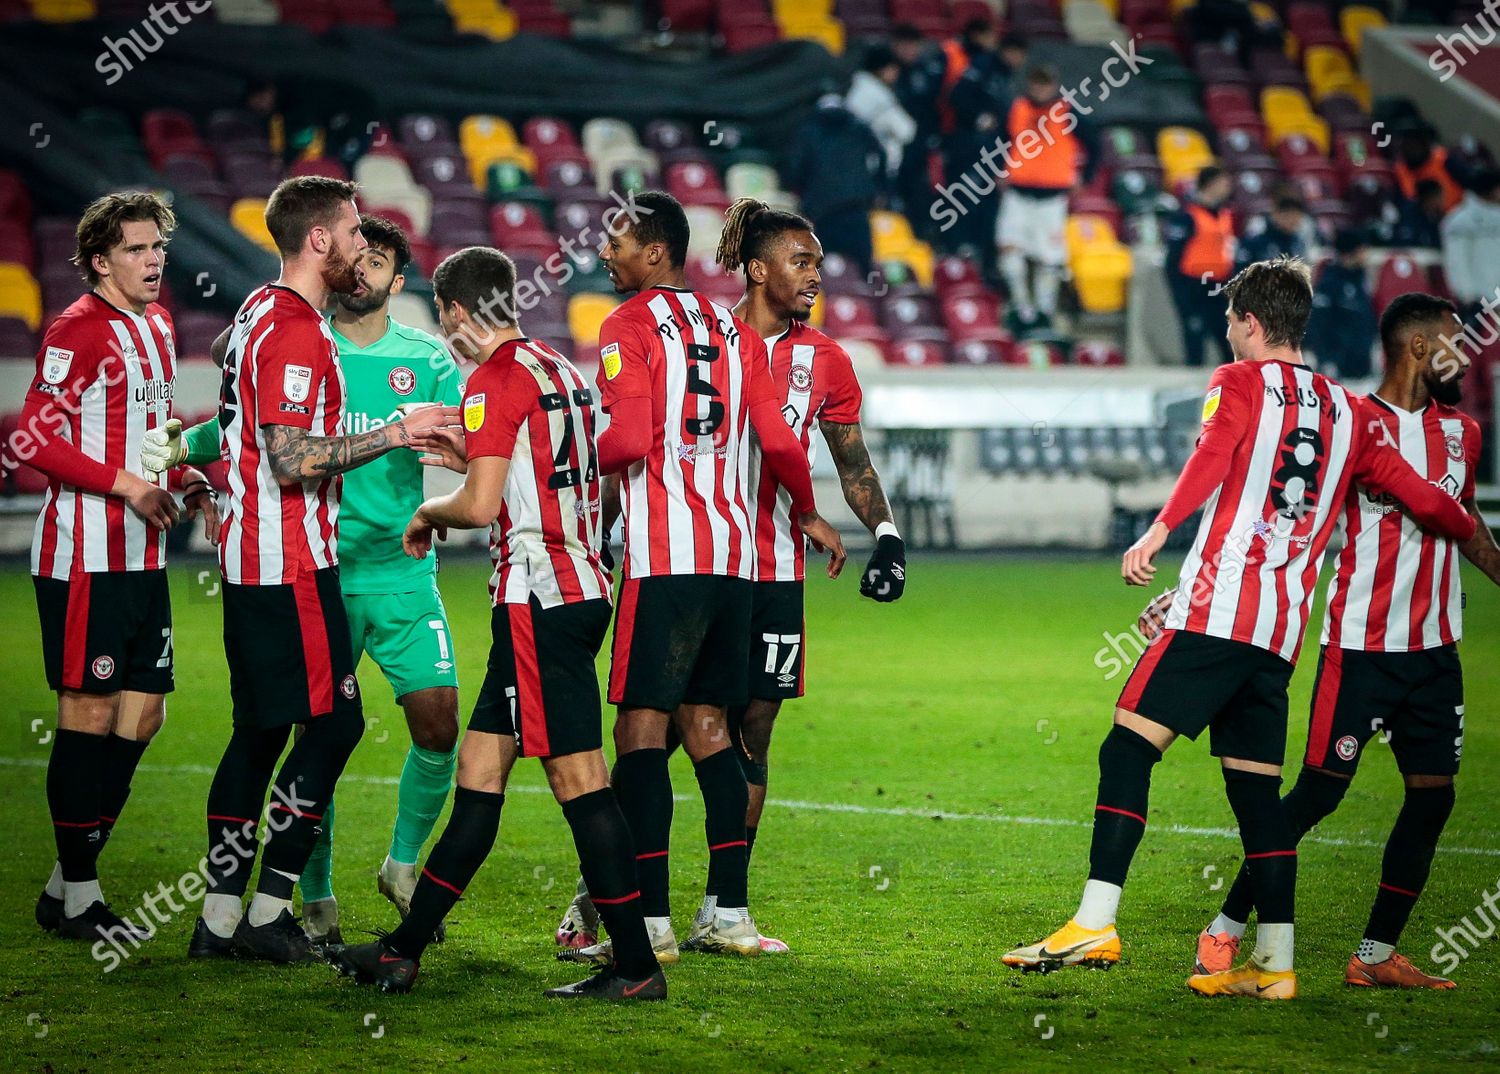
(1282, 445)
(814, 381)
(528, 404)
(1395, 586)
(104, 377)
(282, 368)
(686, 503)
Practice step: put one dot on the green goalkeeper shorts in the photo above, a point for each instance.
(407, 636)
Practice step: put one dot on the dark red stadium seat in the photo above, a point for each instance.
(1398, 275)
(744, 38)
(568, 176)
(899, 313)
(580, 212)
(981, 352)
(16, 246)
(915, 352)
(686, 16)
(443, 173)
(1096, 352)
(695, 184)
(1097, 205)
(15, 199)
(954, 276)
(333, 169)
(518, 226)
(546, 132)
(973, 317)
(852, 317)
(961, 12)
(396, 216)
(426, 129)
(17, 341)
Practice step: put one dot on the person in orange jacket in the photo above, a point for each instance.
(1200, 259)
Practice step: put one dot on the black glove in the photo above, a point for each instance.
(607, 556)
(885, 575)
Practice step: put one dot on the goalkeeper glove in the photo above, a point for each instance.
(884, 579)
(163, 448)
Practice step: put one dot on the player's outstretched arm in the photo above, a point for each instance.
(1381, 467)
(298, 456)
(474, 504)
(1481, 549)
(884, 579)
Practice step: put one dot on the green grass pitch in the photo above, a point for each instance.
(930, 801)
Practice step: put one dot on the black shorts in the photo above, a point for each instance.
(541, 685)
(681, 639)
(1414, 701)
(290, 657)
(778, 641)
(1188, 681)
(107, 631)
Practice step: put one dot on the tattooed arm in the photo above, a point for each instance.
(1481, 549)
(298, 456)
(862, 489)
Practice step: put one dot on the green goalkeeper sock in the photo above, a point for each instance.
(316, 881)
(425, 779)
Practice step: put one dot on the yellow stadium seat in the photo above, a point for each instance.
(783, 9)
(480, 133)
(922, 262)
(64, 10)
(483, 17)
(1323, 63)
(1100, 274)
(586, 315)
(248, 215)
(1183, 152)
(481, 162)
(1355, 20)
(20, 295)
(827, 32)
(1086, 230)
(1311, 127)
(891, 233)
(1179, 6)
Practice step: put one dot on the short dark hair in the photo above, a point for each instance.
(1426, 188)
(662, 220)
(1011, 39)
(301, 203)
(749, 228)
(1041, 73)
(1284, 203)
(907, 31)
(976, 26)
(1484, 182)
(101, 228)
(476, 277)
(1406, 314)
(379, 231)
(1279, 293)
(878, 57)
(1208, 174)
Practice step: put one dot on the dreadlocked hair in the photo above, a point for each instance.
(749, 227)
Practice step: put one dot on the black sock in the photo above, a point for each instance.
(1312, 798)
(1270, 847)
(606, 855)
(643, 788)
(1408, 860)
(1125, 762)
(235, 800)
(725, 799)
(73, 800)
(121, 755)
(460, 851)
(303, 789)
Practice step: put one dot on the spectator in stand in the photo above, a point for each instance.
(836, 165)
(1341, 332)
(1014, 51)
(1419, 222)
(972, 110)
(1032, 232)
(1281, 233)
(1418, 157)
(1234, 25)
(918, 88)
(1200, 259)
(872, 100)
(1471, 243)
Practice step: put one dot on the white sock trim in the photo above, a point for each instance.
(1100, 902)
(1229, 925)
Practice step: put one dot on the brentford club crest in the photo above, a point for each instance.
(801, 378)
(1347, 747)
(348, 687)
(1455, 445)
(403, 381)
(104, 667)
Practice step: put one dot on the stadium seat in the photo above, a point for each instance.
(954, 276)
(1183, 152)
(1101, 265)
(696, 184)
(517, 226)
(20, 295)
(1399, 274)
(586, 315)
(1354, 20)
(422, 129)
(484, 17)
(981, 352)
(540, 133)
(973, 318)
(707, 223)
(16, 246)
(248, 215)
(852, 317)
(1036, 354)
(639, 166)
(17, 340)
(602, 133)
(1094, 352)
(914, 352)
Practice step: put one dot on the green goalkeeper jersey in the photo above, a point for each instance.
(406, 365)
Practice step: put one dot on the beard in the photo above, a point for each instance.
(1447, 390)
(366, 303)
(339, 274)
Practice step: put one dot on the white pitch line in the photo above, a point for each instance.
(842, 807)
